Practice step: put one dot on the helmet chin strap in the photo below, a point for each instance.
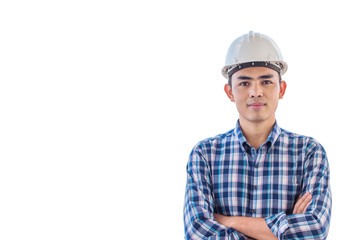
(254, 64)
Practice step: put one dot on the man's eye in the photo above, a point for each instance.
(244, 84)
(266, 82)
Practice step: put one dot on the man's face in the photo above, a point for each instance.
(256, 92)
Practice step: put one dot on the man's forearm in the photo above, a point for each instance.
(256, 227)
(253, 227)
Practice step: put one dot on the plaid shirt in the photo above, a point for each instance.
(226, 175)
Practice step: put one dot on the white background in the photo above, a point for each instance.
(102, 101)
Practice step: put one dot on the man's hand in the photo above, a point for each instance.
(224, 220)
(302, 203)
(253, 228)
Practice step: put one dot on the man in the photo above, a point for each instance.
(257, 181)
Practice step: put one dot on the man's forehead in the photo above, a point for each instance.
(255, 72)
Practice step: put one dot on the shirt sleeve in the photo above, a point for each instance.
(199, 219)
(314, 224)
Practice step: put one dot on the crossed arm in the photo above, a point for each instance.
(257, 228)
(305, 223)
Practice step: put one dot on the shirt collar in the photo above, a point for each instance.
(273, 136)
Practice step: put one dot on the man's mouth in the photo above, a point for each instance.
(256, 106)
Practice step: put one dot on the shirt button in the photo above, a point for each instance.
(253, 211)
(256, 165)
(255, 187)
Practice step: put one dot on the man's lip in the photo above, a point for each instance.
(256, 104)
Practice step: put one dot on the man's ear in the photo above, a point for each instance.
(282, 89)
(229, 93)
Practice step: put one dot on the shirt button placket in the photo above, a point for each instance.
(254, 207)
(258, 157)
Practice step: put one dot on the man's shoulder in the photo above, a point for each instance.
(294, 135)
(215, 140)
(295, 138)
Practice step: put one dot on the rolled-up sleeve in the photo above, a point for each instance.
(314, 224)
(199, 219)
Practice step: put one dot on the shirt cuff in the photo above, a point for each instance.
(278, 224)
(238, 235)
(229, 234)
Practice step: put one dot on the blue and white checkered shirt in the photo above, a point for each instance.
(225, 175)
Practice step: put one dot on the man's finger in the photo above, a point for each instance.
(305, 204)
(302, 203)
(298, 202)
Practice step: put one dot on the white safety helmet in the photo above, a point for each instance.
(251, 50)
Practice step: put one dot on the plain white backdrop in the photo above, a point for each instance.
(102, 101)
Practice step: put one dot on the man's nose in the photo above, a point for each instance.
(256, 91)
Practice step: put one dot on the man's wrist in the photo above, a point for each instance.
(231, 222)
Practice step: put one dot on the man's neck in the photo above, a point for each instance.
(256, 133)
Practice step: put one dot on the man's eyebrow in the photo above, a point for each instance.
(266, 76)
(244, 78)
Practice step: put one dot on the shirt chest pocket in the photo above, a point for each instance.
(291, 185)
(296, 180)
